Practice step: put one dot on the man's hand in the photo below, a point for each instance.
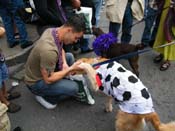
(65, 66)
(75, 66)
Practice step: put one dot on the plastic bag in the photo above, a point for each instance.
(87, 12)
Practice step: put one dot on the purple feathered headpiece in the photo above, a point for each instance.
(103, 42)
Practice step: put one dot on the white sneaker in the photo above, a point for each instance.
(45, 103)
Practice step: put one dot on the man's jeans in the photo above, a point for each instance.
(148, 33)
(126, 26)
(10, 18)
(56, 91)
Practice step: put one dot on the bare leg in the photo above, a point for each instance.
(4, 90)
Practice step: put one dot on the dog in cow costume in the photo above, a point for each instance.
(134, 99)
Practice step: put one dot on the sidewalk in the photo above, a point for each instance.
(15, 55)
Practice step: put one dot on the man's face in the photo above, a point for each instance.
(72, 37)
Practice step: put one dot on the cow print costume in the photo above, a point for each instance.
(124, 86)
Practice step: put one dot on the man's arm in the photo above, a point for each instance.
(50, 77)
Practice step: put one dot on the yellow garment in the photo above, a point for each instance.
(168, 51)
(4, 120)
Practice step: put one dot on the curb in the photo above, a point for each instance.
(21, 57)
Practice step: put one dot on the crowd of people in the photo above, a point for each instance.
(50, 66)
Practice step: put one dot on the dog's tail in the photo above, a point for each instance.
(154, 119)
(140, 46)
(97, 31)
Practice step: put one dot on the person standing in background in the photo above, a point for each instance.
(121, 13)
(165, 35)
(8, 12)
(98, 5)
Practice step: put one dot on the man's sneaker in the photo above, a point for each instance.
(84, 94)
(45, 103)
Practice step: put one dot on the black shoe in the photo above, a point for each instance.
(87, 51)
(11, 45)
(13, 108)
(17, 129)
(158, 58)
(26, 44)
(13, 95)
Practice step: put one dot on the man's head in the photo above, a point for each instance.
(75, 27)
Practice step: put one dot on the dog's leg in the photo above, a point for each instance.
(128, 122)
(154, 119)
(133, 61)
(108, 105)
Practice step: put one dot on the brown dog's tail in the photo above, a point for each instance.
(140, 46)
(154, 119)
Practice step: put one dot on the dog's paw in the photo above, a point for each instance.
(108, 109)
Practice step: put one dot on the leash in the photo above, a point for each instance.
(132, 54)
(122, 57)
(144, 18)
(168, 44)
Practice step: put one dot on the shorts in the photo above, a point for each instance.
(3, 73)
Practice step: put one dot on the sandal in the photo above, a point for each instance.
(158, 58)
(13, 95)
(13, 108)
(165, 66)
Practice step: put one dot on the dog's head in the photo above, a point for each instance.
(89, 61)
(92, 60)
(102, 44)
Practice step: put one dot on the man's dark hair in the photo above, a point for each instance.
(77, 22)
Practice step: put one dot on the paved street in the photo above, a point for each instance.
(71, 115)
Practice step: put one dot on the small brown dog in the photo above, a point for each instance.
(118, 49)
(89, 61)
(134, 99)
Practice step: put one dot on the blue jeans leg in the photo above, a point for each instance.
(70, 58)
(127, 25)
(149, 21)
(114, 28)
(55, 92)
(97, 4)
(8, 24)
(18, 21)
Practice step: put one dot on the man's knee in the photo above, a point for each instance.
(70, 58)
